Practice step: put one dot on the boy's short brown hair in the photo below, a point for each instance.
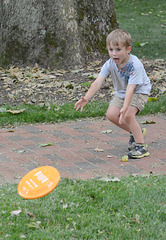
(119, 36)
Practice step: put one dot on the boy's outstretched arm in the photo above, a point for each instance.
(94, 88)
(128, 97)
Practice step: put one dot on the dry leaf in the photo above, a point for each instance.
(98, 150)
(65, 206)
(107, 131)
(10, 130)
(16, 111)
(21, 151)
(30, 214)
(22, 236)
(108, 179)
(15, 213)
(149, 122)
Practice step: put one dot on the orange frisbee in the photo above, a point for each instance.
(38, 182)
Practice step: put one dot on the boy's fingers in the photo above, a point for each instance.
(80, 104)
(120, 118)
(78, 107)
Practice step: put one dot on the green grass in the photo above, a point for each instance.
(37, 114)
(158, 106)
(44, 114)
(133, 208)
(146, 22)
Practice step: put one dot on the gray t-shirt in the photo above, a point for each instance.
(132, 73)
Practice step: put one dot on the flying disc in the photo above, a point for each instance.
(38, 182)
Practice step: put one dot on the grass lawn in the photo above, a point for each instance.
(132, 208)
(146, 22)
(37, 114)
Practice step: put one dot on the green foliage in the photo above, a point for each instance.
(132, 208)
(145, 20)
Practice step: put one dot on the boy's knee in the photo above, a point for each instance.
(111, 116)
(128, 118)
(108, 115)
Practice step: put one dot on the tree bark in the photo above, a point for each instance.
(54, 33)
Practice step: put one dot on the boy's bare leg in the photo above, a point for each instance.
(129, 123)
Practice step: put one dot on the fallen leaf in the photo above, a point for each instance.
(152, 99)
(141, 44)
(21, 151)
(30, 214)
(91, 77)
(149, 122)
(22, 236)
(98, 150)
(108, 179)
(46, 144)
(65, 206)
(15, 212)
(125, 158)
(16, 111)
(107, 131)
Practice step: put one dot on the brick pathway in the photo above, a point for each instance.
(79, 149)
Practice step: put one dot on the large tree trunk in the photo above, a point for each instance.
(54, 33)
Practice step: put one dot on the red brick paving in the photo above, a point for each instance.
(75, 149)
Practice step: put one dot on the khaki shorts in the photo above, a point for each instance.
(138, 101)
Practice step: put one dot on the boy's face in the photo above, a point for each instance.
(119, 53)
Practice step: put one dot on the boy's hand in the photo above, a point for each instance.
(122, 113)
(81, 103)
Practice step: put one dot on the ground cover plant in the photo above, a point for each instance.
(127, 208)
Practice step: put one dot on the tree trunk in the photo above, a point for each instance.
(54, 33)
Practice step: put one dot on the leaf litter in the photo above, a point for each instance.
(35, 85)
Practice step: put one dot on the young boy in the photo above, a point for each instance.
(132, 87)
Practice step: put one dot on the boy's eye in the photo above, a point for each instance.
(118, 49)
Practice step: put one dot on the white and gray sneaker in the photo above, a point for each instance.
(132, 142)
(139, 151)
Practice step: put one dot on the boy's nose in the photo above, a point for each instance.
(114, 53)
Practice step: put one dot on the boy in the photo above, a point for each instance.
(132, 87)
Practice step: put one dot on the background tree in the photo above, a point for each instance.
(54, 33)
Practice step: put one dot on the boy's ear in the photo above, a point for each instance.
(128, 49)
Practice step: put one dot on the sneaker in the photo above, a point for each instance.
(139, 151)
(132, 143)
